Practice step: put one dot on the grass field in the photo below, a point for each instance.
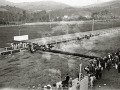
(37, 31)
(23, 70)
(7, 33)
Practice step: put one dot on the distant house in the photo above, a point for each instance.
(65, 18)
(87, 16)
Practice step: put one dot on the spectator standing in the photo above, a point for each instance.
(54, 87)
(87, 69)
(78, 86)
(95, 62)
(33, 88)
(109, 56)
(70, 82)
(92, 79)
(28, 88)
(97, 72)
(102, 63)
(100, 73)
(116, 58)
(119, 56)
(78, 76)
(105, 61)
(49, 87)
(93, 69)
(67, 78)
(39, 87)
(119, 67)
(108, 65)
(45, 88)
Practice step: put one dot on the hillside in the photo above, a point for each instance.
(112, 3)
(39, 10)
(113, 7)
(11, 14)
(4, 3)
(39, 5)
(42, 5)
(11, 9)
(107, 9)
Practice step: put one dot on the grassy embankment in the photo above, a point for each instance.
(25, 69)
(38, 31)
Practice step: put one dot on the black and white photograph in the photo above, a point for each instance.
(59, 44)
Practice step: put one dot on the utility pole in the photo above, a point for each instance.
(67, 28)
(92, 25)
(3, 17)
(50, 21)
(112, 19)
(112, 23)
(19, 29)
(8, 17)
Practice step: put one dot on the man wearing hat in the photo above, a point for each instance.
(67, 78)
(49, 87)
(45, 88)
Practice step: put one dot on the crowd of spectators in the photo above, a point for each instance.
(94, 70)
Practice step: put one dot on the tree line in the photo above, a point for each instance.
(13, 15)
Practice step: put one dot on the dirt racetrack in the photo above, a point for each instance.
(25, 69)
(96, 46)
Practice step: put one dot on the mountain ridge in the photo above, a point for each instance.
(106, 9)
(43, 5)
(5, 2)
(38, 5)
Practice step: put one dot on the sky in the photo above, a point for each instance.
(69, 2)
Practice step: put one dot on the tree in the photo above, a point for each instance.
(82, 18)
(104, 13)
(94, 15)
(24, 14)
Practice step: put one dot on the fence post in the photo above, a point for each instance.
(84, 83)
(61, 40)
(6, 49)
(56, 41)
(11, 52)
(80, 72)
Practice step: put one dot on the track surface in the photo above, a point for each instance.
(110, 78)
(25, 69)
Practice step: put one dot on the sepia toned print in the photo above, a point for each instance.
(59, 45)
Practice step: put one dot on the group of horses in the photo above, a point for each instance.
(33, 47)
